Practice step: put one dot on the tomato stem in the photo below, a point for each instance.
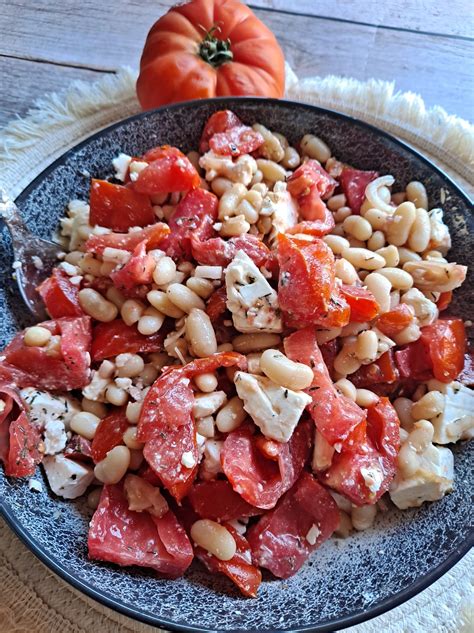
(215, 51)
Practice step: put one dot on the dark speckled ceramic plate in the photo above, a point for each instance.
(346, 581)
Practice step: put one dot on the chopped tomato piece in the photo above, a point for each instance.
(364, 471)
(216, 304)
(362, 302)
(445, 340)
(239, 568)
(304, 518)
(60, 296)
(218, 501)
(382, 371)
(137, 271)
(259, 480)
(120, 536)
(309, 184)
(396, 320)
(169, 401)
(414, 362)
(78, 448)
(220, 121)
(109, 434)
(194, 215)
(353, 184)
(117, 207)
(235, 141)
(219, 252)
(444, 300)
(116, 337)
(318, 228)
(334, 415)
(47, 367)
(164, 453)
(337, 315)
(307, 279)
(168, 170)
(153, 235)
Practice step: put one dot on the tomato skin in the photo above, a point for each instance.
(278, 540)
(236, 141)
(194, 215)
(169, 170)
(109, 434)
(137, 271)
(383, 428)
(353, 184)
(446, 342)
(173, 66)
(307, 279)
(246, 576)
(35, 367)
(382, 371)
(153, 235)
(318, 228)
(444, 300)
(414, 362)
(362, 302)
(60, 296)
(334, 415)
(396, 320)
(259, 480)
(218, 122)
(219, 252)
(217, 304)
(309, 184)
(78, 448)
(117, 207)
(116, 337)
(123, 537)
(218, 501)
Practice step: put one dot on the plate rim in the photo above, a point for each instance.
(362, 615)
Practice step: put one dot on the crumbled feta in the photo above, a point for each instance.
(121, 164)
(282, 209)
(456, 422)
(425, 310)
(425, 472)
(69, 269)
(55, 437)
(211, 463)
(187, 459)
(136, 166)
(312, 535)
(206, 404)
(241, 171)
(35, 485)
(37, 262)
(95, 390)
(67, 478)
(46, 407)
(76, 221)
(373, 477)
(208, 272)
(250, 298)
(440, 239)
(274, 409)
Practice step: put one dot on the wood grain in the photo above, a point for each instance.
(455, 18)
(46, 44)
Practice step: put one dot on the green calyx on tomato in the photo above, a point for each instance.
(215, 51)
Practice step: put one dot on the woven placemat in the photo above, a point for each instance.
(33, 599)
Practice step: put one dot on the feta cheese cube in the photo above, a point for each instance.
(206, 404)
(46, 407)
(67, 478)
(282, 209)
(456, 422)
(121, 164)
(250, 298)
(211, 464)
(55, 437)
(274, 409)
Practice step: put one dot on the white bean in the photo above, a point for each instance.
(133, 410)
(399, 226)
(376, 218)
(336, 243)
(214, 538)
(129, 365)
(314, 147)
(150, 321)
(231, 416)
(420, 232)
(92, 406)
(230, 200)
(207, 383)
(36, 336)
(284, 371)
(116, 395)
(246, 343)
(345, 271)
(131, 311)
(205, 426)
(403, 407)
(357, 226)
(233, 227)
(272, 172)
(366, 347)
(390, 255)
(200, 333)
(410, 334)
(130, 438)
(161, 302)
(113, 294)
(346, 362)
(363, 517)
(376, 241)
(85, 424)
(366, 398)
(347, 388)
(400, 279)
(336, 202)
(96, 306)
(272, 147)
(291, 158)
(220, 185)
(363, 258)
(184, 298)
(373, 195)
(428, 406)
(416, 193)
(341, 214)
(165, 271)
(406, 255)
(114, 466)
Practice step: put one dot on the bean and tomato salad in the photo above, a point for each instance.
(249, 350)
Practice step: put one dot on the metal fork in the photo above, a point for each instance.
(34, 257)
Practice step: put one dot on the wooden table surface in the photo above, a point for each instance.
(425, 46)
